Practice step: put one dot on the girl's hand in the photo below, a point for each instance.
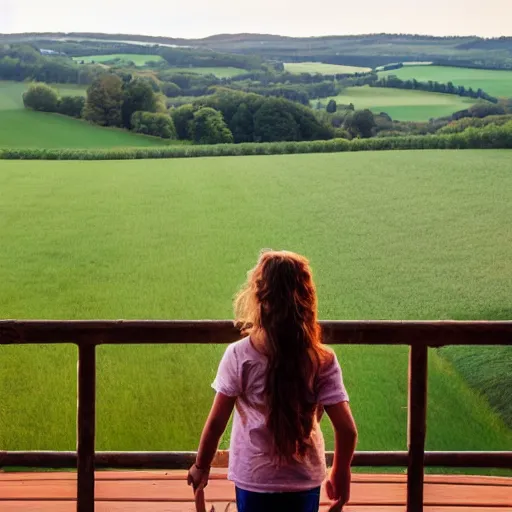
(338, 488)
(198, 477)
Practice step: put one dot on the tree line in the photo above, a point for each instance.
(132, 105)
(207, 58)
(24, 62)
(254, 118)
(225, 117)
(394, 82)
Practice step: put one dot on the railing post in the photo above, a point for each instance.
(416, 426)
(86, 424)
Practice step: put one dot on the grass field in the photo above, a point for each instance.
(321, 68)
(494, 82)
(21, 128)
(391, 235)
(402, 105)
(226, 72)
(137, 59)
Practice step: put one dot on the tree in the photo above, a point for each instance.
(151, 82)
(138, 96)
(360, 123)
(331, 106)
(170, 89)
(274, 122)
(485, 109)
(242, 124)
(104, 101)
(158, 125)
(208, 127)
(71, 106)
(182, 117)
(41, 97)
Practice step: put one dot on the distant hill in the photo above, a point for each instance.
(369, 50)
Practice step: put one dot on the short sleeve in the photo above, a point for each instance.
(330, 388)
(228, 379)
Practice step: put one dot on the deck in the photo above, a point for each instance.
(167, 491)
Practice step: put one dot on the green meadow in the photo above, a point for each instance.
(390, 235)
(495, 82)
(322, 68)
(137, 59)
(400, 104)
(22, 128)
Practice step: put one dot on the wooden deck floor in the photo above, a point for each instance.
(159, 491)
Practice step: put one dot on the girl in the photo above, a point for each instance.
(279, 379)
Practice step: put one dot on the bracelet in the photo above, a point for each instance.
(202, 469)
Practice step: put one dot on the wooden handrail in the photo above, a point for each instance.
(88, 334)
(370, 332)
(183, 460)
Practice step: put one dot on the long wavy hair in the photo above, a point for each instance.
(279, 301)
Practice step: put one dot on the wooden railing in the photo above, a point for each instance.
(88, 334)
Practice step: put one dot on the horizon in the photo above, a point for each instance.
(203, 18)
(262, 34)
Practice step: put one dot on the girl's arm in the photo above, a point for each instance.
(212, 432)
(338, 486)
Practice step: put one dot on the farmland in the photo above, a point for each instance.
(322, 69)
(137, 59)
(400, 104)
(24, 128)
(494, 82)
(391, 235)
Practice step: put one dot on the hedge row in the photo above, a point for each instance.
(490, 137)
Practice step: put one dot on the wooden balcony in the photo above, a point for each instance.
(157, 491)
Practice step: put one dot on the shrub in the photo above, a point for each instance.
(158, 125)
(41, 97)
(71, 106)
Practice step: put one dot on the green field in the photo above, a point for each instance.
(402, 105)
(321, 68)
(22, 128)
(390, 235)
(137, 59)
(226, 72)
(494, 82)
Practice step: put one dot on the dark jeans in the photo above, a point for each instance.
(303, 501)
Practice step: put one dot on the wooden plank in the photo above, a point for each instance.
(416, 426)
(221, 474)
(86, 426)
(126, 506)
(433, 334)
(363, 493)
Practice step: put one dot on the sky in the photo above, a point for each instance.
(201, 18)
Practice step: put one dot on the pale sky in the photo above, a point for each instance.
(200, 18)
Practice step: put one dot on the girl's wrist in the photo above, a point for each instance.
(202, 467)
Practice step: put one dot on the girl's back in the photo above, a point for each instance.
(253, 465)
(278, 380)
